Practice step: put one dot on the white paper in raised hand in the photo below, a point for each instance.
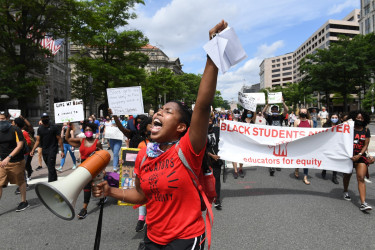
(225, 49)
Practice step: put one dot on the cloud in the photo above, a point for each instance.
(230, 83)
(337, 8)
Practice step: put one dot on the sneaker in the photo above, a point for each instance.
(235, 175)
(347, 197)
(22, 206)
(38, 168)
(217, 205)
(28, 179)
(140, 225)
(368, 180)
(59, 169)
(241, 173)
(104, 201)
(74, 167)
(82, 214)
(364, 207)
(334, 179)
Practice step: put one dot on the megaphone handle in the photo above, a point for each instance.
(98, 179)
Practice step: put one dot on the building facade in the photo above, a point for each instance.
(367, 20)
(158, 59)
(279, 70)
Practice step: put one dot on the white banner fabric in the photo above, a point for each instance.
(71, 111)
(113, 133)
(288, 147)
(125, 101)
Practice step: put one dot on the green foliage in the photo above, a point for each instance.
(23, 24)
(109, 55)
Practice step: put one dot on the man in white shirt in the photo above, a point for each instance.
(323, 115)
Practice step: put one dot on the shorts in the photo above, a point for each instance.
(362, 159)
(196, 243)
(13, 172)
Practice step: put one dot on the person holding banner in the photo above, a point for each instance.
(162, 181)
(360, 163)
(304, 121)
(86, 147)
(333, 121)
(67, 148)
(275, 119)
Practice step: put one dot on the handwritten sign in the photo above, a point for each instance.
(125, 101)
(260, 98)
(14, 113)
(276, 97)
(246, 101)
(113, 133)
(71, 111)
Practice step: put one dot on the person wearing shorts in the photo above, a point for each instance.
(12, 163)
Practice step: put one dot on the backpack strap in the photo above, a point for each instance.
(209, 213)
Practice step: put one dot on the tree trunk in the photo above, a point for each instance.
(327, 101)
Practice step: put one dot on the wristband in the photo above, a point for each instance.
(359, 153)
(10, 157)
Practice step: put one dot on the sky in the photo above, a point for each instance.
(265, 28)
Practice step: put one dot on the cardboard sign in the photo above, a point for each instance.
(125, 101)
(246, 101)
(71, 111)
(14, 113)
(113, 133)
(274, 98)
(260, 98)
(127, 176)
(288, 147)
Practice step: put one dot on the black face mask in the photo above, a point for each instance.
(303, 115)
(5, 125)
(358, 123)
(45, 121)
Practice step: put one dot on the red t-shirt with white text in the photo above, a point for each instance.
(173, 203)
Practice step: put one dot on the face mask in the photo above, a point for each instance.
(249, 115)
(303, 115)
(236, 116)
(358, 123)
(275, 113)
(5, 125)
(113, 122)
(89, 134)
(45, 121)
(134, 116)
(334, 120)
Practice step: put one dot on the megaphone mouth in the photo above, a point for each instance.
(54, 194)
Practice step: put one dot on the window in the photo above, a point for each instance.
(273, 61)
(276, 80)
(287, 73)
(284, 58)
(289, 57)
(367, 26)
(278, 60)
(287, 68)
(366, 9)
(276, 75)
(275, 70)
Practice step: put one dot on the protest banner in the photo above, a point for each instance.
(70, 111)
(14, 113)
(113, 133)
(127, 176)
(247, 102)
(125, 101)
(274, 98)
(288, 147)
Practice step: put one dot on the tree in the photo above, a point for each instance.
(114, 59)
(23, 62)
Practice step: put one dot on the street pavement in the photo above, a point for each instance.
(259, 212)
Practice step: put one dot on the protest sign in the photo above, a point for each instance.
(288, 147)
(260, 98)
(276, 97)
(70, 111)
(125, 101)
(14, 113)
(246, 101)
(113, 133)
(127, 176)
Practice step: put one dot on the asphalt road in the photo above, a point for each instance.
(259, 212)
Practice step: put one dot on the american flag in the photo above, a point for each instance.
(52, 45)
